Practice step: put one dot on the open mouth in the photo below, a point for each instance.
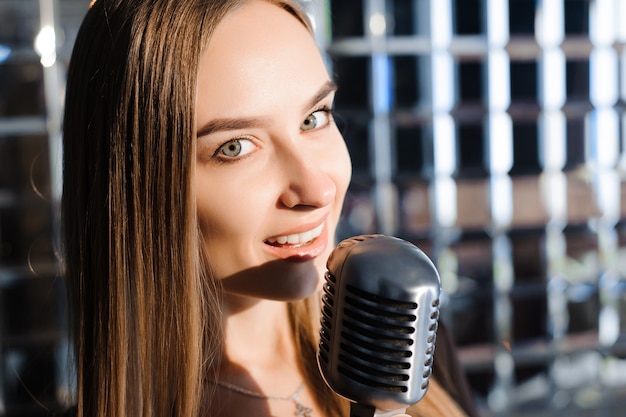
(296, 239)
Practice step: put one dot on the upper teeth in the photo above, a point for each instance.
(298, 238)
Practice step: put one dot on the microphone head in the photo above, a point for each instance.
(380, 308)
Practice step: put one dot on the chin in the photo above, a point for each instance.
(300, 283)
(276, 280)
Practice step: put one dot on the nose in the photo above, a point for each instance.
(307, 183)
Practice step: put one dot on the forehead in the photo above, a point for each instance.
(259, 53)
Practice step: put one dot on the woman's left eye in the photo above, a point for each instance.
(235, 148)
(317, 119)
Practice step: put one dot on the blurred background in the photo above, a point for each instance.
(491, 133)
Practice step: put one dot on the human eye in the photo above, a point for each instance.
(234, 148)
(318, 119)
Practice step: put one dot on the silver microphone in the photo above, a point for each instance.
(380, 307)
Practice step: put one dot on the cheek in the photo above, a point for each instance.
(343, 170)
(226, 234)
(225, 208)
(340, 169)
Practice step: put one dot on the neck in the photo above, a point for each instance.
(259, 359)
(257, 337)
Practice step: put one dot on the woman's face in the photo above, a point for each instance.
(271, 167)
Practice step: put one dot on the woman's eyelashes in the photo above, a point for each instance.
(235, 148)
(318, 119)
(239, 147)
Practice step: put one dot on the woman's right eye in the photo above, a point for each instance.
(235, 148)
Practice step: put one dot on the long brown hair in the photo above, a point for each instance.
(146, 317)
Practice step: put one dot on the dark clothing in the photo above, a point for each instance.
(449, 373)
(446, 369)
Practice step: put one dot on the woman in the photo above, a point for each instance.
(203, 182)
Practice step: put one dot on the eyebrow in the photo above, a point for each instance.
(225, 124)
(328, 87)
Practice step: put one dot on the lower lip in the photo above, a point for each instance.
(302, 253)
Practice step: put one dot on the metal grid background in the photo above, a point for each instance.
(489, 132)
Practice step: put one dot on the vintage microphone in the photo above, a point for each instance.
(380, 308)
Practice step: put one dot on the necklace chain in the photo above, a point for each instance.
(255, 394)
(301, 409)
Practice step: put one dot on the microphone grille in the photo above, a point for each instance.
(377, 349)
